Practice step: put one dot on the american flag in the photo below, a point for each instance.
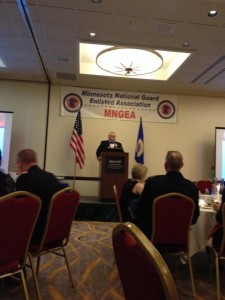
(76, 142)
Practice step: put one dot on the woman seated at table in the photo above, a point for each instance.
(132, 190)
(217, 232)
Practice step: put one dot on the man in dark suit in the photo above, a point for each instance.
(109, 144)
(172, 182)
(36, 181)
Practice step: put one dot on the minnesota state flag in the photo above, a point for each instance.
(139, 151)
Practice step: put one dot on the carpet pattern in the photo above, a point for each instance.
(95, 273)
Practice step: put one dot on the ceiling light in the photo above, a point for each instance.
(92, 34)
(168, 62)
(186, 45)
(213, 13)
(96, 1)
(129, 61)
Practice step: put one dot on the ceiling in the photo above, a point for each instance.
(39, 41)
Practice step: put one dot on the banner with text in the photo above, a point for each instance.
(118, 105)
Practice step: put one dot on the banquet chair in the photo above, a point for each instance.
(62, 209)
(117, 199)
(217, 254)
(142, 270)
(205, 186)
(18, 215)
(171, 221)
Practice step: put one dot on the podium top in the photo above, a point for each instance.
(115, 150)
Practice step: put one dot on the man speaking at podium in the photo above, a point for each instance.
(110, 145)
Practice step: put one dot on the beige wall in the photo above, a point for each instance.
(193, 134)
(29, 104)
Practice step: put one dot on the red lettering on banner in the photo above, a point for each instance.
(126, 114)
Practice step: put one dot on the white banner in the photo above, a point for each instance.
(118, 105)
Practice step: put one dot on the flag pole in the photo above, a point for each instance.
(74, 175)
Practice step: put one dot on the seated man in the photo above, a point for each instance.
(172, 182)
(37, 181)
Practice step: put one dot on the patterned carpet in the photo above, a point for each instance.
(95, 273)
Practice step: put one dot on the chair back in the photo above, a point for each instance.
(62, 209)
(18, 216)
(117, 199)
(204, 185)
(142, 270)
(172, 217)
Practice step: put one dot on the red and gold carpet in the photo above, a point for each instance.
(95, 273)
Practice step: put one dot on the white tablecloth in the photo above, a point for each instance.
(200, 231)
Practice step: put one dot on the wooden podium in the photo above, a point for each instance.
(113, 170)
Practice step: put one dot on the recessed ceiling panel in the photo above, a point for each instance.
(89, 53)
